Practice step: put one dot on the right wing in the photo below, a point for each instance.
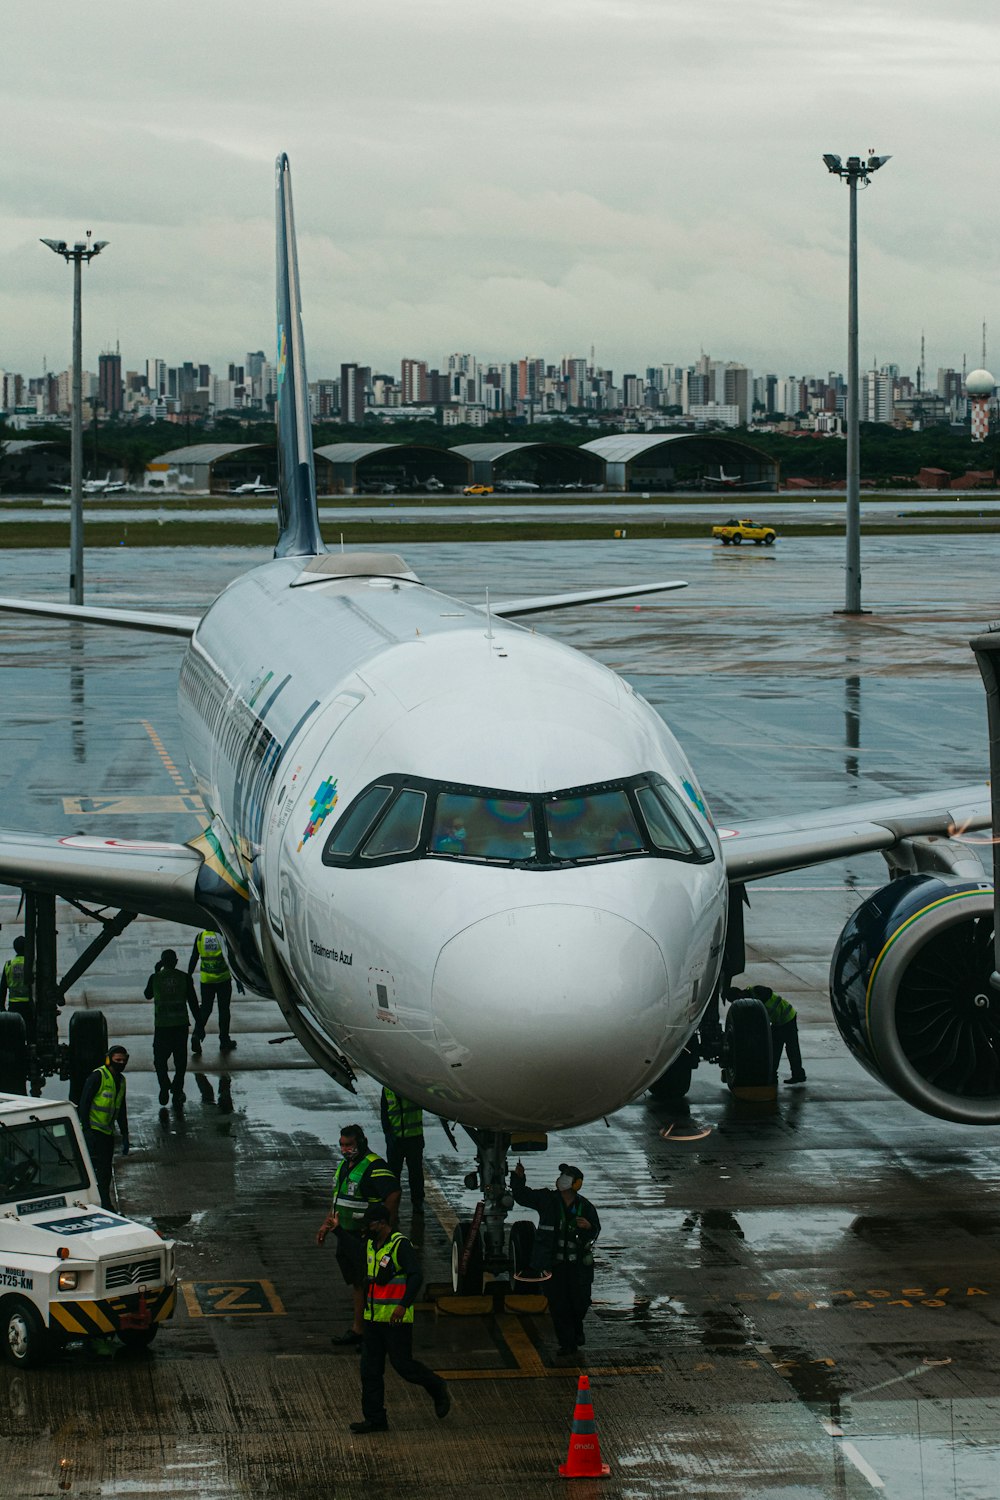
(509, 609)
(89, 614)
(159, 880)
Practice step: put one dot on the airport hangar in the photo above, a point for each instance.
(552, 466)
(219, 468)
(360, 468)
(658, 461)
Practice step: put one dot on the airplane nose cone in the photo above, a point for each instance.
(565, 1013)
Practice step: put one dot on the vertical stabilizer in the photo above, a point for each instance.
(298, 517)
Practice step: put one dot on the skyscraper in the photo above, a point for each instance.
(109, 382)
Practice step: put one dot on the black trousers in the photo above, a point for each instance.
(102, 1154)
(786, 1038)
(25, 1008)
(392, 1341)
(568, 1295)
(222, 992)
(410, 1151)
(170, 1043)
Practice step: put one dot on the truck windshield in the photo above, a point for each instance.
(38, 1158)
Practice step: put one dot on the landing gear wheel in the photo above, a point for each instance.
(467, 1283)
(13, 1054)
(88, 1047)
(138, 1338)
(746, 1048)
(522, 1243)
(22, 1334)
(672, 1086)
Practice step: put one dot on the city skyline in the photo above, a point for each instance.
(625, 174)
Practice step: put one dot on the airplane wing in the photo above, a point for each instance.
(508, 609)
(156, 879)
(134, 619)
(772, 846)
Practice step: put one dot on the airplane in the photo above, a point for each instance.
(105, 486)
(724, 481)
(515, 486)
(432, 484)
(254, 487)
(476, 864)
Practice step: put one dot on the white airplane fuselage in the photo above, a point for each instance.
(499, 995)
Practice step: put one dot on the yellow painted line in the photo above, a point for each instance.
(227, 1299)
(127, 804)
(529, 1364)
(161, 751)
(441, 1208)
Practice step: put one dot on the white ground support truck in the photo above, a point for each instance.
(69, 1269)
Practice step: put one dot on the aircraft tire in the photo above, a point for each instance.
(88, 1047)
(746, 1049)
(467, 1283)
(675, 1082)
(13, 1054)
(522, 1243)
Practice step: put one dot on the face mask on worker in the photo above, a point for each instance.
(564, 1182)
(349, 1150)
(118, 1062)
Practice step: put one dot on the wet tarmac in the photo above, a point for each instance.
(805, 1305)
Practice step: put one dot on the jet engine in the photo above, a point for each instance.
(911, 994)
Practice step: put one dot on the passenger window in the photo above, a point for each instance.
(348, 834)
(399, 830)
(671, 826)
(483, 827)
(591, 827)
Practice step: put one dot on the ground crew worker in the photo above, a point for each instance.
(403, 1128)
(172, 994)
(568, 1225)
(392, 1282)
(216, 984)
(361, 1179)
(102, 1105)
(14, 989)
(784, 1031)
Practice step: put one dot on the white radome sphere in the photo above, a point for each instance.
(979, 383)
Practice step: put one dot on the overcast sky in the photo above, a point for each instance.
(511, 178)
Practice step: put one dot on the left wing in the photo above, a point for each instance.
(771, 846)
(89, 614)
(159, 880)
(509, 608)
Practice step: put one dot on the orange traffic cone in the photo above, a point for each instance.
(583, 1461)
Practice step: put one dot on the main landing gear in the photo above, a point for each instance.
(484, 1243)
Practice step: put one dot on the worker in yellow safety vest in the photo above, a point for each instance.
(14, 989)
(403, 1128)
(361, 1180)
(784, 1031)
(102, 1106)
(216, 984)
(392, 1284)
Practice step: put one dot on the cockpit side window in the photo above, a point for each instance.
(399, 830)
(351, 829)
(591, 827)
(483, 827)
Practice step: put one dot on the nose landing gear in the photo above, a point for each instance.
(484, 1243)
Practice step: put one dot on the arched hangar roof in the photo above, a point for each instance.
(623, 447)
(13, 446)
(351, 453)
(204, 453)
(491, 452)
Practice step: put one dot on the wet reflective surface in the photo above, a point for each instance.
(805, 1304)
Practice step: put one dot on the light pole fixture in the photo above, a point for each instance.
(75, 255)
(856, 170)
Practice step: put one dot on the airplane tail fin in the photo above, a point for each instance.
(298, 516)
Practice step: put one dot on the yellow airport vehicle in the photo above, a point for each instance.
(734, 532)
(478, 489)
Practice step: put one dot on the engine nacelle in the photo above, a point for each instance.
(911, 994)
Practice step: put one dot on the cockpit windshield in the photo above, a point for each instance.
(409, 817)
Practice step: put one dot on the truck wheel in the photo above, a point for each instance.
(769, 539)
(467, 1283)
(522, 1242)
(22, 1332)
(88, 1047)
(13, 1054)
(737, 539)
(138, 1338)
(746, 1046)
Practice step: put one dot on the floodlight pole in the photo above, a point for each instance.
(856, 170)
(79, 253)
